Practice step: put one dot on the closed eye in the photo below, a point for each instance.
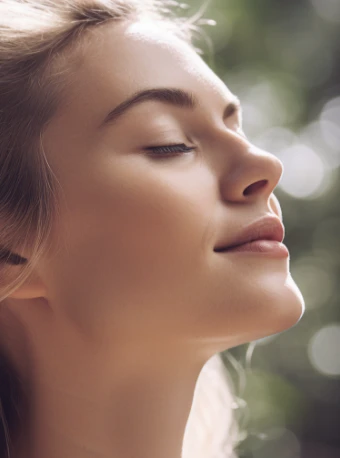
(170, 150)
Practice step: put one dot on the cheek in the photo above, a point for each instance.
(136, 245)
(155, 216)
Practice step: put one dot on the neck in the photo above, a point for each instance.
(144, 416)
(88, 401)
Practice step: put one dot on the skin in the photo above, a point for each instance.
(113, 327)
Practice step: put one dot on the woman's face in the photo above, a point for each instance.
(134, 241)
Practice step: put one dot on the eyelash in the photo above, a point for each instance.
(170, 150)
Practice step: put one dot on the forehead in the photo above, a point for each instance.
(120, 59)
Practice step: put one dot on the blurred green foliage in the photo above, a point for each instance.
(282, 58)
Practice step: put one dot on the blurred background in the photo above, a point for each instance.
(282, 58)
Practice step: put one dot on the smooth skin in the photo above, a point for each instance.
(114, 326)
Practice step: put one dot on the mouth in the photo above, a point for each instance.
(264, 236)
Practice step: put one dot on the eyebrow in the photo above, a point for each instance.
(171, 96)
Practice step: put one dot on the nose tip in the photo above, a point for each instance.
(256, 173)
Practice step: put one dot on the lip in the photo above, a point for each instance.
(265, 235)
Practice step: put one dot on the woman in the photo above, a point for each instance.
(128, 198)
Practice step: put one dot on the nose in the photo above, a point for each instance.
(252, 174)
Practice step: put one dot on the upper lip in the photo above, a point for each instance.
(266, 228)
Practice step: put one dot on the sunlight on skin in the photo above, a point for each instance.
(132, 300)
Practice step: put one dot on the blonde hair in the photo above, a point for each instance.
(33, 35)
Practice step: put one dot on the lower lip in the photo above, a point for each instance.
(268, 247)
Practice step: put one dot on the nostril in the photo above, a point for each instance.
(255, 187)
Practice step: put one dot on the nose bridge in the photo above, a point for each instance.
(250, 172)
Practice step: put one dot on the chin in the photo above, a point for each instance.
(286, 308)
(277, 314)
(268, 304)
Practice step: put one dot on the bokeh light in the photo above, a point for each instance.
(304, 171)
(282, 59)
(315, 279)
(275, 139)
(327, 9)
(323, 350)
(330, 129)
(322, 135)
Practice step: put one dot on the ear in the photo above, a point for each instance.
(33, 287)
